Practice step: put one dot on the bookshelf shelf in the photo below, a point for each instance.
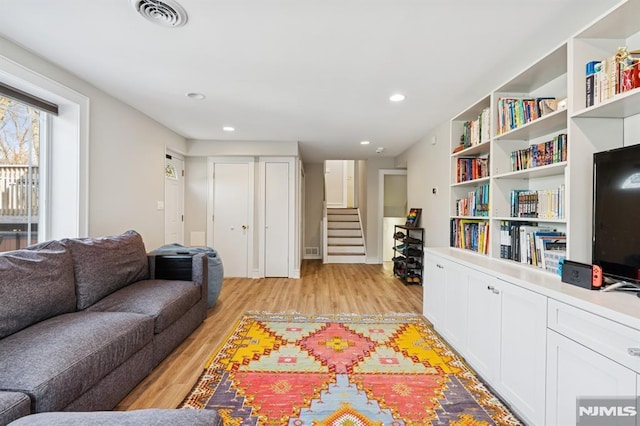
(622, 105)
(471, 217)
(470, 183)
(481, 148)
(529, 219)
(550, 123)
(535, 172)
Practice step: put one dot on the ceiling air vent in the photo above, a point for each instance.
(167, 13)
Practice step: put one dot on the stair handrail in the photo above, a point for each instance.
(364, 242)
(324, 231)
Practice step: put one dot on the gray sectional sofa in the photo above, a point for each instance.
(84, 320)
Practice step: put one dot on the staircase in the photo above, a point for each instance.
(345, 242)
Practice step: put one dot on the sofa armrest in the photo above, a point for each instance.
(13, 405)
(183, 267)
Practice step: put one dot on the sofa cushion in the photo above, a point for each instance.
(104, 265)
(13, 405)
(57, 360)
(163, 300)
(36, 283)
(146, 417)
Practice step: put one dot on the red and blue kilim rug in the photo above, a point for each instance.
(342, 370)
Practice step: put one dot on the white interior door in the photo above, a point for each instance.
(174, 200)
(232, 215)
(277, 217)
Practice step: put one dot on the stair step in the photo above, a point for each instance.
(346, 259)
(343, 225)
(342, 211)
(345, 249)
(344, 232)
(343, 218)
(351, 241)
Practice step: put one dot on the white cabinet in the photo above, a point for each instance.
(498, 327)
(446, 298)
(456, 300)
(435, 278)
(521, 379)
(506, 342)
(576, 371)
(588, 356)
(483, 339)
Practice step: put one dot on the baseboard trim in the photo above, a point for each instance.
(312, 257)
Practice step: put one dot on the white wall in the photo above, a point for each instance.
(374, 254)
(126, 149)
(212, 148)
(195, 198)
(428, 168)
(196, 172)
(314, 198)
(127, 157)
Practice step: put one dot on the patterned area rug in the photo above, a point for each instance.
(342, 370)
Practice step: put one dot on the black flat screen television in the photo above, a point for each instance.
(616, 213)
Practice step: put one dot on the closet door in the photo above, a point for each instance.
(277, 217)
(231, 203)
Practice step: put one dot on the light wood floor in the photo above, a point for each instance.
(322, 289)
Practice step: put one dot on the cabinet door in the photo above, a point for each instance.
(435, 279)
(575, 371)
(523, 334)
(456, 296)
(483, 336)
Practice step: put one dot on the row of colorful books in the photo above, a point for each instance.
(477, 131)
(475, 204)
(532, 244)
(612, 75)
(470, 234)
(471, 168)
(542, 154)
(515, 112)
(541, 203)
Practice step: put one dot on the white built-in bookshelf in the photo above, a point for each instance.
(558, 187)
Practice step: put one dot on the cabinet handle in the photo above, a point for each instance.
(634, 351)
(493, 289)
(439, 266)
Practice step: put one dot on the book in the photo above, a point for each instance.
(589, 82)
(527, 247)
(542, 241)
(553, 249)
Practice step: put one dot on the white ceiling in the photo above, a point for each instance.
(315, 71)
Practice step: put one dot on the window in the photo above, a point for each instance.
(22, 134)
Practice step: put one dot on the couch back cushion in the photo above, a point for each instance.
(104, 265)
(36, 283)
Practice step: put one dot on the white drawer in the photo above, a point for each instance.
(609, 338)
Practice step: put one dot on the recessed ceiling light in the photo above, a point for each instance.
(365, 143)
(397, 97)
(228, 129)
(196, 96)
